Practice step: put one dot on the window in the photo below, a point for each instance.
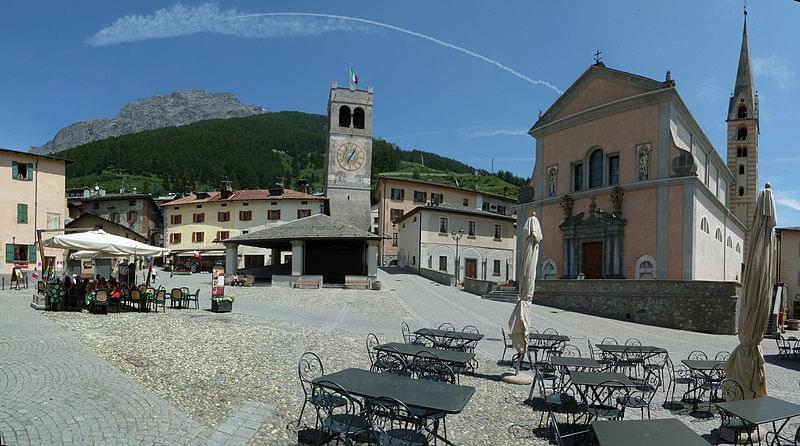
(198, 218)
(420, 197)
(465, 202)
(175, 238)
(395, 215)
(741, 191)
(741, 134)
(501, 209)
(443, 263)
(730, 243)
(596, 169)
(486, 206)
(741, 152)
(430, 262)
(248, 204)
(303, 202)
(197, 237)
(742, 112)
(413, 260)
(577, 177)
(498, 232)
(398, 194)
(273, 203)
(245, 215)
(738, 247)
(303, 213)
(22, 171)
(115, 217)
(358, 118)
(394, 239)
(132, 216)
(471, 228)
(718, 235)
(224, 216)
(741, 169)
(344, 116)
(613, 170)
(496, 268)
(223, 235)
(704, 225)
(437, 198)
(20, 253)
(245, 231)
(22, 213)
(53, 220)
(199, 206)
(273, 214)
(174, 219)
(131, 202)
(443, 225)
(645, 268)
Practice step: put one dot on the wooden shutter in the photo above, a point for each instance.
(14, 169)
(22, 213)
(32, 254)
(30, 172)
(9, 253)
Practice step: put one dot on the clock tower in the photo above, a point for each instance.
(349, 159)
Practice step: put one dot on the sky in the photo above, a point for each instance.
(465, 79)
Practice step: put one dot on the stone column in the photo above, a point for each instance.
(275, 256)
(372, 258)
(298, 252)
(231, 258)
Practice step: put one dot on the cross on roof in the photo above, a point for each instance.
(597, 58)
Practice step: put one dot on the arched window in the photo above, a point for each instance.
(344, 116)
(718, 235)
(549, 269)
(741, 191)
(358, 118)
(704, 225)
(645, 268)
(596, 169)
(741, 169)
(742, 113)
(741, 134)
(738, 248)
(730, 243)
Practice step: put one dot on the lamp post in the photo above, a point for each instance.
(457, 236)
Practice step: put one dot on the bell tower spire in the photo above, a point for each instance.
(743, 132)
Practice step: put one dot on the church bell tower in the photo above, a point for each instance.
(743, 140)
(349, 160)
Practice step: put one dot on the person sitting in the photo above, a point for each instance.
(116, 292)
(102, 284)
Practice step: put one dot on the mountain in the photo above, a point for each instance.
(253, 152)
(169, 110)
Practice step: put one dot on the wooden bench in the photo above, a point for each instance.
(359, 282)
(306, 283)
(249, 280)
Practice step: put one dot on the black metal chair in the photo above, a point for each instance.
(394, 424)
(160, 299)
(732, 391)
(507, 343)
(575, 435)
(784, 347)
(642, 395)
(410, 338)
(345, 420)
(680, 375)
(697, 355)
(606, 401)
(389, 360)
(570, 351)
(556, 397)
(428, 366)
(656, 363)
(544, 372)
(310, 368)
(372, 342)
(722, 356)
(447, 326)
(189, 297)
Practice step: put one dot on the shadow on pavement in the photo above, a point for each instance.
(791, 364)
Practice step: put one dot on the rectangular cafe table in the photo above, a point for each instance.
(436, 333)
(668, 432)
(432, 396)
(594, 379)
(765, 410)
(410, 350)
(645, 351)
(575, 363)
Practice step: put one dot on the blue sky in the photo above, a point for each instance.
(63, 63)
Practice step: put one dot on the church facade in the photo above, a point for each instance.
(627, 185)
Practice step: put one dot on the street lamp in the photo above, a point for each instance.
(457, 236)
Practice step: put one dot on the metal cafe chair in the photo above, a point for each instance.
(346, 420)
(310, 368)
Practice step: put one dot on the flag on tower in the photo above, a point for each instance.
(353, 77)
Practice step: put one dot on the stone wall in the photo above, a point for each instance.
(479, 287)
(438, 276)
(702, 306)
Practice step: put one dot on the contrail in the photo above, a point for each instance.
(404, 31)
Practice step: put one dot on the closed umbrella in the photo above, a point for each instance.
(746, 364)
(518, 322)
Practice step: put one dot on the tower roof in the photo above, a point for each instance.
(745, 87)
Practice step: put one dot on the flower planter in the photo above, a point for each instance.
(792, 324)
(221, 306)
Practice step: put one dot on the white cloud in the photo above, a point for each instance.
(497, 132)
(789, 202)
(776, 69)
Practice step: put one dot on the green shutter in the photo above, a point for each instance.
(32, 254)
(14, 169)
(30, 172)
(22, 213)
(9, 253)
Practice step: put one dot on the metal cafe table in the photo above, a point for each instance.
(666, 432)
(644, 351)
(765, 410)
(545, 342)
(702, 367)
(409, 350)
(439, 336)
(593, 384)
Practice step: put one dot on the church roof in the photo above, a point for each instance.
(745, 87)
(315, 227)
(641, 83)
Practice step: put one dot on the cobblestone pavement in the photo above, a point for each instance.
(225, 379)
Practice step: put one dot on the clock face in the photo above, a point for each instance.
(350, 156)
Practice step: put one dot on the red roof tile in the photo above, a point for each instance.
(244, 195)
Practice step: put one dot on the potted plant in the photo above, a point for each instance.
(222, 304)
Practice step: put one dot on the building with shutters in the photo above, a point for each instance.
(136, 211)
(33, 188)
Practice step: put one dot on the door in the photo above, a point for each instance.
(471, 268)
(593, 260)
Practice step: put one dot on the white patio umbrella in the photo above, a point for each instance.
(518, 322)
(746, 364)
(103, 243)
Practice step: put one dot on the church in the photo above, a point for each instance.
(627, 185)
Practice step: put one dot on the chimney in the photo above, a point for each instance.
(225, 189)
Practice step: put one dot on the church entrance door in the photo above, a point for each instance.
(471, 268)
(593, 260)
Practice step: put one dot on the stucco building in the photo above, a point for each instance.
(789, 267)
(33, 196)
(485, 249)
(197, 224)
(139, 212)
(397, 196)
(627, 185)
